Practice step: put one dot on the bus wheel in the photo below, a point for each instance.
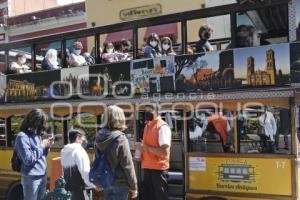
(15, 192)
(213, 198)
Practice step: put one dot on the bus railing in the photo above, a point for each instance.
(182, 18)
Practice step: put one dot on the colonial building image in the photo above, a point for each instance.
(262, 77)
(223, 78)
(210, 71)
(20, 89)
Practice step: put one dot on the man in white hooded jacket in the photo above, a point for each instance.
(76, 165)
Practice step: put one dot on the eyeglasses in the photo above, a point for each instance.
(166, 43)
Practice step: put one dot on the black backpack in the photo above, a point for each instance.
(16, 162)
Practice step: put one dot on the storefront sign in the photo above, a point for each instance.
(140, 12)
(246, 175)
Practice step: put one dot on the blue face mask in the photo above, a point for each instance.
(77, 52)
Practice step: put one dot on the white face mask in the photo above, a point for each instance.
(23, 61)
(77, 51)
(165, 47)
(110, 50)
(153, 43)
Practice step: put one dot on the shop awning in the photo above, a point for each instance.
(118, 36)
(169, 30)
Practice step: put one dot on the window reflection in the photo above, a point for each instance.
(211, 131)
(264, 130)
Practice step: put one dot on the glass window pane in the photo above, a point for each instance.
(264, 130)
(262, 26)
(211, 131)
(214, 29)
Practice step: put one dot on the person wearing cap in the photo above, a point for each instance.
(19, 66)
(76, 165)
(75, 59)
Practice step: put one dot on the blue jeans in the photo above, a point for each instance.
(116, 193)
(34, 187)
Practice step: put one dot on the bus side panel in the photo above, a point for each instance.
(260, 175)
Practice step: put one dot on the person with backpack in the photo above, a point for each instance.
(32, 151)
(155, 158)
(113, 144)
(76, 165)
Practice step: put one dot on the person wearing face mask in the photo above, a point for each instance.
(76, 165)
(167, 48)
(153, 47)
(19, 66)
(50, 60)
(155, 157)
(203, 45)
(32, 148)
(75, 59)
(110, 55)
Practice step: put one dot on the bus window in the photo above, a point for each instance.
(87, 122)
(211, 131)
(16, 122)
(48, 56)
(19, 61)
(130, 129)
(55, 128)
(209, 34)
(3, 138)
(116, 46)
(264, 130)
(168, 36)
(79, 52)
(262, 27)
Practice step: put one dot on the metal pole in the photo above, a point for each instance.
(135, 42)
(63, 54)
(184, 36)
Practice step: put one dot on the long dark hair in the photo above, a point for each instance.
(154, 36)
(34, 122)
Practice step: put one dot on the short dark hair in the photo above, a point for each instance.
(74, 133)
(19, 55)
(34, 122)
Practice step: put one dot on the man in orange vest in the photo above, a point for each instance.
(155, 155)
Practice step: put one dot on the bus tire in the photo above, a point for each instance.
(213, 198)
(15, 192)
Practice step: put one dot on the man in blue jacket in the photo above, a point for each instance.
(33, 150)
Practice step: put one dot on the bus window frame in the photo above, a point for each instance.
(231, 9)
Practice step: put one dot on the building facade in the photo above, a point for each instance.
(260, 77)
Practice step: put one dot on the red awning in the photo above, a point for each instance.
(118, 36)
(169, 30)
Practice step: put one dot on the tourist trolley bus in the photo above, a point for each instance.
(216, 103)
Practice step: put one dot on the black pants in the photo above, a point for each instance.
(155, 186)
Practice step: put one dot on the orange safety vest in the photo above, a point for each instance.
(150, 138)
(220, 124)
